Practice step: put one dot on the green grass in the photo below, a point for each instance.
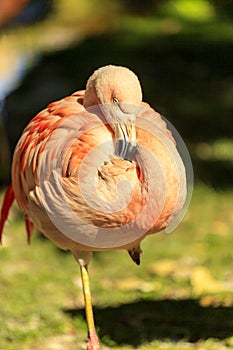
(179, 298)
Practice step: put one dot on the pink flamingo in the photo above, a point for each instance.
(98, 170)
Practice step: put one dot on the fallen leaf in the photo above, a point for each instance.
(164, 267)
(220, 228)
(135, 284)
(203, 282)
(208, 300)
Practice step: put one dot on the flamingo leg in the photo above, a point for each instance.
(93, 341)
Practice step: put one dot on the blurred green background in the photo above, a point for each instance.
(181, 50)
(181, 298)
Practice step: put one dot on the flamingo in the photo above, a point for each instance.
(98, 170)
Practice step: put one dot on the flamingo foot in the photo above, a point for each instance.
(93, 341)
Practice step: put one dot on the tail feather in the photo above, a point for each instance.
(29, 228)
(135, 253)
(7, 203)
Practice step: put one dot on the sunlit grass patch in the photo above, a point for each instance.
(191, 269)
(220, 149)
(190, 10)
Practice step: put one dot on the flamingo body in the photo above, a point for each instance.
(77, 137)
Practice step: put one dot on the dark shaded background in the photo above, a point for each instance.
(185, 69)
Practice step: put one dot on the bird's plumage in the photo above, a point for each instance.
(66, 175)
(39, 147)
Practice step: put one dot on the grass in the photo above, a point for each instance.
(179, 298)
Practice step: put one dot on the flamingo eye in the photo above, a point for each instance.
(115, 100)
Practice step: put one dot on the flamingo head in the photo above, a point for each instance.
(118, 92)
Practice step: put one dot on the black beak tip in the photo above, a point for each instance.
(125, 150)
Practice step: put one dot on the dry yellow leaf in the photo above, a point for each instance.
(135, 284)
(220, 228)
(164, 267)
(203, 282)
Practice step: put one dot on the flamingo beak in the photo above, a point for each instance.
(125, 136)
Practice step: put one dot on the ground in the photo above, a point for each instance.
(179, 298)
